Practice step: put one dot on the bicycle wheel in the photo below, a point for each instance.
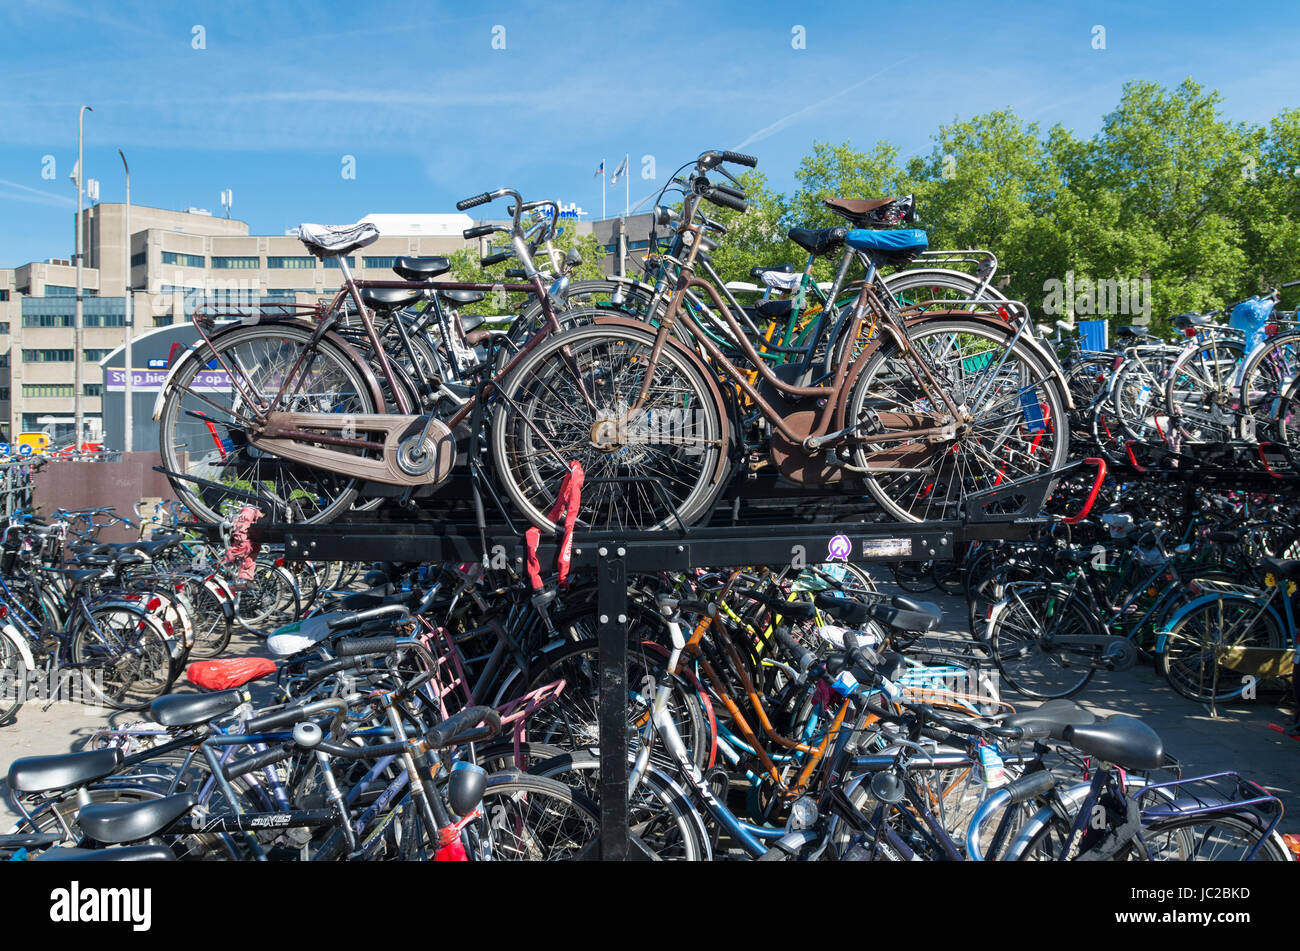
(206, 419)
(1267, 372)
(268, 601)
(527, 818)
(1020, 635)
(1017, 425)
(1135, 396)
(212, 628)
(1200, 645)
(1200, 395)
(570, 400)
(1221, 837)
(659, 814)
(572, 721)
(124, 656)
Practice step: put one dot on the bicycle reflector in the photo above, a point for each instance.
(153, 604)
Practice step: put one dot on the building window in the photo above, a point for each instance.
(140, 260)
(251, 263)
(46, 390)
(4, 293)
(94, 356)
(379, 262)
(47, 320)
(47, 356)
(4, 328)
(93, 389)
(4, 359)
(334, 262)
(105, 320)
(165, 321)
(184, 260)
(4, 394)
(58, 290)
(303, 262)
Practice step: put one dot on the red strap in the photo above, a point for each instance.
(531, 537)
(568, 502)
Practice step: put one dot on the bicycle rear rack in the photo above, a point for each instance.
(1228, 793)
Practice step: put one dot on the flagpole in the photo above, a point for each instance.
(627, 187)
(603, 186)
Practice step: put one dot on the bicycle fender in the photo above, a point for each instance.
(226, 601)
(11, 633)
(1162, 635)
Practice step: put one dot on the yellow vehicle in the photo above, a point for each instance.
(38, 441)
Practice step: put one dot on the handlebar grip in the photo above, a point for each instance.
(360, 617)
(726, 200)
(237, 768)
(497, 258)
(1031, 785)
(269, 721)
(478, 231)
(466, 203)
(516, 273)
(737, 158)
(356, 646)
(728, 190)
(804, 657)
(456, 728)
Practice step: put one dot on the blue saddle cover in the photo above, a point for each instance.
(907, 241)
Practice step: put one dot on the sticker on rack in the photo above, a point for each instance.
(839, 548)
(886, 547)
(1033, 410)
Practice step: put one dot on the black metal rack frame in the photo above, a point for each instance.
(614, 556)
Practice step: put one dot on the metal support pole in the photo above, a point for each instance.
(611, 608)
(78, 409)
(128, 441)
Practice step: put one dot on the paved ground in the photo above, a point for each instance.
(1239, 738)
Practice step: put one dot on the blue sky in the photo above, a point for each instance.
(431, 112)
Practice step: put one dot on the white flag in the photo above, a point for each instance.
(622, 167)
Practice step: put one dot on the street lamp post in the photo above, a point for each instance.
(78, 414)
(127, 424)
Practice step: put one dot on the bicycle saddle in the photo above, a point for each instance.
(389, 298)
(891, 246)
(1125, 741)
(1282, 569)
(116, 822)
(856, 208)
(906, 615)
(62, 771)
(130, 853)
(758, 272)
(191, 709)
(1131, 331)
(421, 269)
(330, 240)
(1183, 321)
(462, 297)
(775, 309)
(1056, 714)
(820, 241)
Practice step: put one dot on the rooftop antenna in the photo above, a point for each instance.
(227, 199)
